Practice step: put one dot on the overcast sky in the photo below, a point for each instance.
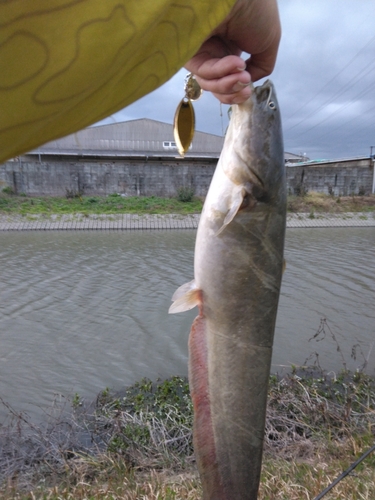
(324, 78)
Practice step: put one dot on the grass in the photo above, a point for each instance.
(113, 204)
(319, 202)
(184, 203)
(137, 444)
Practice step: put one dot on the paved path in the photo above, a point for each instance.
(349, 219)
(170, 221)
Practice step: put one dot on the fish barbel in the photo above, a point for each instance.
(238, 267)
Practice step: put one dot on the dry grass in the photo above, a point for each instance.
(137, 445)
(281, 480)
(320, 202)
(155, 486)
(296, 480)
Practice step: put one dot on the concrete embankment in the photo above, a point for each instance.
(164, 221)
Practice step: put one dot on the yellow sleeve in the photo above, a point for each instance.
(65, 64)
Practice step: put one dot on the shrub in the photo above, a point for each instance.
(185, 194)
(8, 190)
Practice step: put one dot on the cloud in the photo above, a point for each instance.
(324, 77)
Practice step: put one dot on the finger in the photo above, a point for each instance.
(262, 64)
(230, 84)
(209, 68)
(258, 70)
(237, 98)
(258, 36)
(216, 59)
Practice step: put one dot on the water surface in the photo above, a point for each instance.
(81, 311)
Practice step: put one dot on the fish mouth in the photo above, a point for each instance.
(266, 86)
(265, 94)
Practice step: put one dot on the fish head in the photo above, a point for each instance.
(254, 157)
(266, 148)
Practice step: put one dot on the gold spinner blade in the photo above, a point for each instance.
(184, 118)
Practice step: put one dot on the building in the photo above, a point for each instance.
(140, 158)
(142, 137)
(133, 138)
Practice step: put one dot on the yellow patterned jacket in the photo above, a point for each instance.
(65, 64)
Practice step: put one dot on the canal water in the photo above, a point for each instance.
(82, 311)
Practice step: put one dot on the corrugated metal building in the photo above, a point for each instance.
(143, 137)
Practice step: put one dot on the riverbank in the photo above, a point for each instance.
(120, 222)
(114, 212)
(138, 443)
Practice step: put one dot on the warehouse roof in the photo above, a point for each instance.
(134, 137)
(141, 137)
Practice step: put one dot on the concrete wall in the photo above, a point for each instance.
(164, 177)
(342, 178)
(129, 177)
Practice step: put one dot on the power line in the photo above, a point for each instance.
(334, 129)
(335, 96)
(333, 78)
(344, 106)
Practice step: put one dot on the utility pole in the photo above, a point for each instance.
(372, 157)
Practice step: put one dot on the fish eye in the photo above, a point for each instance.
(271, 105)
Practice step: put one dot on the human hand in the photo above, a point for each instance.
(253, 26)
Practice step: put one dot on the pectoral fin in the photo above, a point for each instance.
(235, 206)
(242, 198)
(185, 298)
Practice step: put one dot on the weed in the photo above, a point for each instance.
(73, 193)
(8, 190)
(319, 202)
(185, 194)
(76, 401)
